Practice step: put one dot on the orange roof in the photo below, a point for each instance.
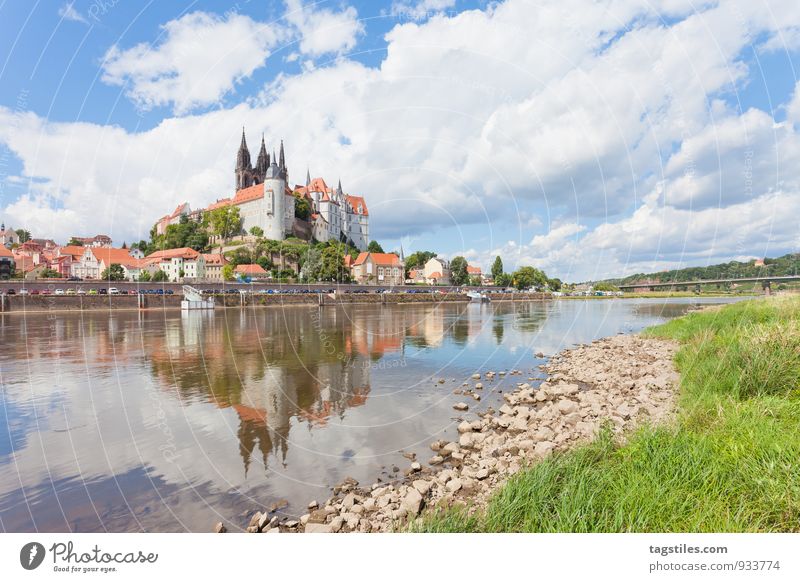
(215, 260)
(177, 210)
(473, 270)
(248, 194)
(318, 185)
(252, 269)
(378, 259)
(348, 261)
(413, 273)
(183, 253)
(355, 202)
(4, 252)
(219, 204)
(110, 256)
(74, 250)
(436, 275)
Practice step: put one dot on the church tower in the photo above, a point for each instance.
(244, 172)
(262, 163)
(274, 202)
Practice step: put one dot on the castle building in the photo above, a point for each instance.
(265, 200)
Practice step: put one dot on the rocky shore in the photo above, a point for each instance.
(623, 380)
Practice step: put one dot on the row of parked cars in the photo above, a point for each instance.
(80, 291)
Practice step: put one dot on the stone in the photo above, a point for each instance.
(465, 440)
(506, 409)
(348, 501)
(421, 486)
(476, 376)
(274, 530)
(465, 427)
(265, 522)
(544, 448)
(478, 386)
(482, 474)
(436, 460)
(412, 502)
(336, 523)
(280, 504)
(292, 523)
(416, 467)
(454, 485)
(461, 406)
(566, 406)
(255, 519)
(318, 528)
(313, 504)
(219, 527)
(317, 516)
(573, 419)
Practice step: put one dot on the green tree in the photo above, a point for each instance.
(497, 267)
(604, 286)
(554, 284)
(24, 235)
(458, 271)
(49, 274)
(527, 277)
(374, 247)
(265, 263)
(227, 272)
(74, 242)
(302, 209)
(113, 273)
(144, 276)
(225, 222)
(159, 276)
(503, 280)
(257, 231)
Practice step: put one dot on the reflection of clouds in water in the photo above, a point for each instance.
(233, 408)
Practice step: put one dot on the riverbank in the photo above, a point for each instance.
(729, 462)
(618, 382)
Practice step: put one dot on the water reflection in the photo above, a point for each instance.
(165, 421)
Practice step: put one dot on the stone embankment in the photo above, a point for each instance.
(623, 381)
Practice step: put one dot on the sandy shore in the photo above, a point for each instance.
(624, 380)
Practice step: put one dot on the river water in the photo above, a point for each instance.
(171, 421)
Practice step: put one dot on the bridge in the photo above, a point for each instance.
(766, 281)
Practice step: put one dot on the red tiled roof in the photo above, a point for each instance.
(355, 202)
(252, 269)
(4, 252)
(74, 250)
(436, 275)
(184, 253)
(473, 270)
(378, 259)
(214, 260)
(220, 204)
(248, 194)
(110, 256)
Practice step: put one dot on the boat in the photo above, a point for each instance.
(478, 297)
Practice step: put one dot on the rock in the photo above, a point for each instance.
(465, 427)
(461, 406)
(482, 474)
(219, 527)
(266, 522)
(292, 523)
(348, 501)
(566, 406)
(518, 425)
(318, 528)
(317, 516)
(336, 523)
(416, 467)
(280, 504)
(436, 460)
(255, 519)
(573, 419)
(478, 386)
(412, 502)
(465, 440)
(454, 485)
(544, 448)
(540, 355)
(274, 530)
(421, 486)
(313, 504)
(476, 376)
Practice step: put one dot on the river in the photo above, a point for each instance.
(170, 421)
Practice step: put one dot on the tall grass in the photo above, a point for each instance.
(730, 463)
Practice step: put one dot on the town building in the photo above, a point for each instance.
(100, 240)
(213, 268)
(251, 271)
(436, 271)
(8, 236)
(378, 269)
(178, 264)
(336, 215)
(7, 263)
(96, 259)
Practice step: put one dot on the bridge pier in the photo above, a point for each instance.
(767, 287)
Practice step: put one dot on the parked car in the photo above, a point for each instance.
(35, 292)
(113, 291)
(74, 279)
(11, 292)
(59, 292)
(23, 292)
(92, 292)
(70, 291)
(102, 291)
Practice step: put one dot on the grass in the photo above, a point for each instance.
(730, 463)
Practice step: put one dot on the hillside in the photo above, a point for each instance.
(785, 265)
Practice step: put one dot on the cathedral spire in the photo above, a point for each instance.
(263, 161)
(308, 177)
(282, 161)
(243, 155)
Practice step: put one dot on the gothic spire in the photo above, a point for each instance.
(308, 177)
(282, 161)
(263, 161)
(339, 187)
(243, 156)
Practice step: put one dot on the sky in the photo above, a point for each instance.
(588, 139)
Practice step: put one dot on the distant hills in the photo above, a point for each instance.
(785, 265)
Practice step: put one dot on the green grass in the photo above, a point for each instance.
(730, 462)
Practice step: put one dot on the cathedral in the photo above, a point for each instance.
(265, 200)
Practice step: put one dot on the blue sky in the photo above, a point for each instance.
(587, 140)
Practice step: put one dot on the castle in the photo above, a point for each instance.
(265, 200)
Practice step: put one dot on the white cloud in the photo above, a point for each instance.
(605, 122)
(68, 12)
(420, 9)
(323, 31)
(199, 60)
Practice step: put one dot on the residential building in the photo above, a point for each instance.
(178, 264)
(96, 259)
(252, 271)
(8, 236)
(214, 264)
(182, 210)
(437, 271)
(7, 263)
(378, 269)
(336, 215)
(100, 240)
